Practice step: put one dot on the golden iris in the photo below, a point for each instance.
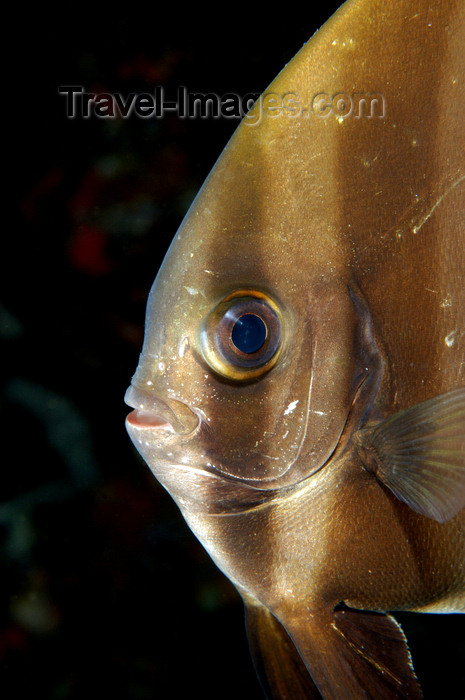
(241, 336)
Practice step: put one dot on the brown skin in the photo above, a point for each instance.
(354, 228)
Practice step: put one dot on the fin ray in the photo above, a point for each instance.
(354, 654)
(419, 454)
(280, 669)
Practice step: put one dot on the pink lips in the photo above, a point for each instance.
(144, 419)
(152, 412)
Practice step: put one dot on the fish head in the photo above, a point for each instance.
(251, 359)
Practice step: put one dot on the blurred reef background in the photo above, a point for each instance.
(103, 587)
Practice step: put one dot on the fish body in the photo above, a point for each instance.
(301, 389)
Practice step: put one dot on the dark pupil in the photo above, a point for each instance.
(248, 333)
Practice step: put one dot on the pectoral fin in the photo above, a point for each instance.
(279, 667)
(355, 654)
(419, 454)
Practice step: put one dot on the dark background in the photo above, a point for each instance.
(103, 587)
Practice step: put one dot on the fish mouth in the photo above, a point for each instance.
(154, 413)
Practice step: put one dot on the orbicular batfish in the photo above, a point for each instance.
(301, 389)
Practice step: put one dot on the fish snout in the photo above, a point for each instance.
(152, 412)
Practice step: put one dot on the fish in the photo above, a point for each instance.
(301, 388)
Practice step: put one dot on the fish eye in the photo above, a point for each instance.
(241, 337)
(249, 333)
